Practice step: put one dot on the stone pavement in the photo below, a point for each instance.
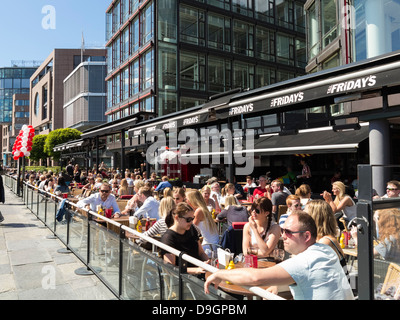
(30, 266)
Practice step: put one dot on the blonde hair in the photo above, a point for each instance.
(224, 190)
(389, 224)
(230, 201)
(167, 204)
(303, 191)
(342, 191)
(197, 201)
(323, 216)
(167, 192)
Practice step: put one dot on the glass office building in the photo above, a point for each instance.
(13, 80)
(167, 56)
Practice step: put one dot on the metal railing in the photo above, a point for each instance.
(128, 270)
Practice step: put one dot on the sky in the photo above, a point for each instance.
(32, 29)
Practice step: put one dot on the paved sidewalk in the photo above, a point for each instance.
(30, 266)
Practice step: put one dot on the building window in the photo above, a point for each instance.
(44, 98)
(192, 23)
(147, 69)
(313, 32)
(219, 32)
(167, 20)
(219, 74)
(167, 67)
(264, 10)
(243, 75)
(244, 7)
(135, 35)
(192, 70)
(37, 104)
(243, 35)
(329, 21)
(265, 44)
(148, 23)
(284, 49)
(264, 76)
(134, 77)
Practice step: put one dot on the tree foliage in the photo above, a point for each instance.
(57, 137)
(37, 152)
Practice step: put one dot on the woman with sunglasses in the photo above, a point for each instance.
(183, 236)
(261, 234)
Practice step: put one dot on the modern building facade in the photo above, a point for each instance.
(13, 80)
(47, 86)
(341, 32)
(167, 56)
(85, 96)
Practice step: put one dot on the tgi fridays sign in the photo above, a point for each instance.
(171, 125)
(315, 93)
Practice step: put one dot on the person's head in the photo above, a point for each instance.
(261, 211)
(137, 185)
(182, 216)
(167, 204)
(205, 191)
(293, 202)
(124, 184)
(61, 181)
(196, 200)
(167, 192)
(229, 188)
(277, 185)
(299, 232)
(304, 191)
(230, 201)
(164, 178)
(393, 189)
(105, 189)
(389, 224)
(249, 180)
(179, 195)
(114, 184)
(215, 187)
(144, 193)
(263, 181)
(323, 216)
(339, 190)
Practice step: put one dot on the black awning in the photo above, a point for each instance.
(315, 141)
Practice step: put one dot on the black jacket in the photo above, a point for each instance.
(2, 196)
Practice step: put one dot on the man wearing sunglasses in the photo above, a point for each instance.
(313, 273)
(103, 198)
(392, 189)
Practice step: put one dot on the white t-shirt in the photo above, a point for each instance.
(318, 275)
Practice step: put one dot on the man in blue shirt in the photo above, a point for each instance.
(103, 198)
(313, 273)
(164, 184)
(150, 206)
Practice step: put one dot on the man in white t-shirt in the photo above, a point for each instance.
(314, 272)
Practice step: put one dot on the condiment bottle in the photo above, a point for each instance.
(231, 266)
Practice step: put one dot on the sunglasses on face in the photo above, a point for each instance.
(297, 205)
(104, 191)
(256, 210)
(391, 189)
(187, 219)
(290, 233)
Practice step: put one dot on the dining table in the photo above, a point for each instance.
(241, 291)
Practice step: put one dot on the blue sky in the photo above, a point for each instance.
(28, 34)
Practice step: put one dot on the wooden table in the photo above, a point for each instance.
(351, 254)
(238, 290)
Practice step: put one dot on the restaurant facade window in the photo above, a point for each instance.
(219, 32)
(193, 70)
(243, 38)
(219, 74)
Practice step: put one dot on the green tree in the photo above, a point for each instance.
(37, 152)
(57, 137)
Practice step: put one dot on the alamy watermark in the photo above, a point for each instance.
(209, 146)
(49, 20)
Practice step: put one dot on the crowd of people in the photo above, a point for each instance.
(187, 220)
